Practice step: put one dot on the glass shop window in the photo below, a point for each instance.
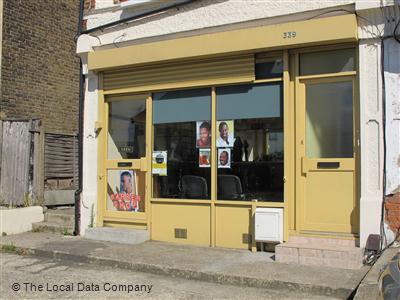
(332, 61)
(181, 162)
(250, 142)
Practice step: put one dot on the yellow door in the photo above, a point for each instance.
(126, 153)
(326, 156)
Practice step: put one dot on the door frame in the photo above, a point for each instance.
(120, 218)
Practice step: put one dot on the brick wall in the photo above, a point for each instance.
(40, 72)
(392, 212)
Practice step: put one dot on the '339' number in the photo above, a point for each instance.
(289, 34)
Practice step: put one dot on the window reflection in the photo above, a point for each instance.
(250, 142)
(127, 129)
(182, 131)
(329, 120)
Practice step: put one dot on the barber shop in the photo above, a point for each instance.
(236, 138)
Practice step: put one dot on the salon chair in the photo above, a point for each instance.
(193, 187)
(230, 188)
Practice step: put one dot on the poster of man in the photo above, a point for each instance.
(224, 158)
(127, 198)
(226, 133)
(126, 182)
(203, 134)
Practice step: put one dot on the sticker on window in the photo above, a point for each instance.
(159, 163)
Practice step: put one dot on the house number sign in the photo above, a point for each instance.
(289, 34)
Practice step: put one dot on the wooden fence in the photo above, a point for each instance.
(31, 159)
(21, 178)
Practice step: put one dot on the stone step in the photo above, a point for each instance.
(118, 235)
(337, 253)
(65, 210)
(63, 216)
(323, 241)
(52, 227)
(61, 219)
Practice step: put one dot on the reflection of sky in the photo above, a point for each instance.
(182, 106)
(275, 142)
(249, 101)
(121, 115)
(329, 120)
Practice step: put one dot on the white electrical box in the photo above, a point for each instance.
(269, 224)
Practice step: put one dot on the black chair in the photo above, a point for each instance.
(194, 187)
(230, 188)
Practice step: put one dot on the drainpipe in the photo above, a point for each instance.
(78, 192)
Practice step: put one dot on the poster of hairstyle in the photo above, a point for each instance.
(204, 158)
(226, 133)
(127, 198)
(224, 158)
(203, 134)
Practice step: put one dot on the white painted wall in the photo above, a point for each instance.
(90, 156)
(201, 15)
(373, 24)
(104, 4)
(392, 76)
(18, 220)
(370, 138)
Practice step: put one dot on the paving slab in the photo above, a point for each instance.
(218, 265)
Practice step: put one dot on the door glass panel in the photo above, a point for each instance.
(329, 120)
(127, 129)
(327, 62)
(125, 190)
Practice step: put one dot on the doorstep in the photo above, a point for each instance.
(218, 265)
(118, 235)
(329, 252)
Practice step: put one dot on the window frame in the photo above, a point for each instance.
(214, 165)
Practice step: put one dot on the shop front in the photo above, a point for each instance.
(200, 134)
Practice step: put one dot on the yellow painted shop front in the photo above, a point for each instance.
(200, 134)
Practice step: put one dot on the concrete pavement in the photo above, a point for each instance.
(216, 265)
(65, 279)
